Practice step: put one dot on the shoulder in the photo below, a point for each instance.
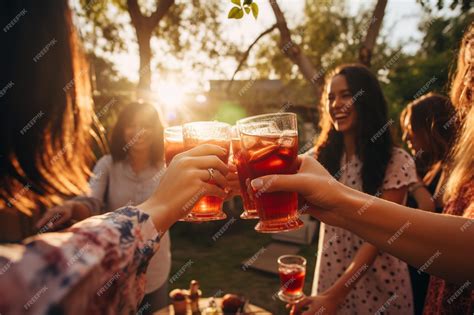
(401, 170)
(104, 162)
(103, 165)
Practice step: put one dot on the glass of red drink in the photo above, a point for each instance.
(250, 210)
(292, 271)
(208, 208)
(270, 147)
(173, 138)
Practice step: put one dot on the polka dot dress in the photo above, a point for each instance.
(385, 288)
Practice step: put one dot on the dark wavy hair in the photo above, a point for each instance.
(433, 117)
(374, 142)
(154, 122)
(46, 113)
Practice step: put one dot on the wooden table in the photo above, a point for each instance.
(204, 303)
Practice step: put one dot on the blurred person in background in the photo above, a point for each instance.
(429, 127)
(128, 176)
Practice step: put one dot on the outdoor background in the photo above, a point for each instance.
(194, 63)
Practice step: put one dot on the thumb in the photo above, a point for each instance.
(277, 182)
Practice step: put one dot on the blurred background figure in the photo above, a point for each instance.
(129, 176)
(429, 127)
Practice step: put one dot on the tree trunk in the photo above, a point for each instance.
(144, 48)
(144, 26)
(294, 52)
(365, 51)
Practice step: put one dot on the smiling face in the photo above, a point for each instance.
(137, 134)
(340, 105)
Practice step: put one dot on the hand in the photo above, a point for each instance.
(233, 182)
(320, 304)
(55, 217)
(184, 182)
(314, 184)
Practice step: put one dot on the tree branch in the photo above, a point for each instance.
(294, 52)
(247, 52)
(161, 9)
(135, 14)
(365, 51)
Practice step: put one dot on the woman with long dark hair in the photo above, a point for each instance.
(356, 147)
(429, 126)
(128, 176)
(97, 266)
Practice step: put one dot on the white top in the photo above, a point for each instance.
(125, 187)
(386, 285)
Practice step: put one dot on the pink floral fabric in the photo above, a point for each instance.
(97, 266)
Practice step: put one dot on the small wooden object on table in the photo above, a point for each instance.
(204, 303)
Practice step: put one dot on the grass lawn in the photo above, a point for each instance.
(216, 263)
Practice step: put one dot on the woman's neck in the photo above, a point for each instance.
(349, 144)
(139, 160)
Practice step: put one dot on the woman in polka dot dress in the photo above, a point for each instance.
(355, 145)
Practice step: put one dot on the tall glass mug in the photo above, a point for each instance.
(173, 142)
(250, 210)
(208, 208)
(270, 146)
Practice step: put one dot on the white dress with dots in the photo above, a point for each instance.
(385, 288)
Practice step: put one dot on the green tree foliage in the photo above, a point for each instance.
(189, 30)
(428, 70)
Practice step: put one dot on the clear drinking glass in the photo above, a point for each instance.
(269, 146)
(250, 210)
(208, 208)
(292, 271)
(173, 140)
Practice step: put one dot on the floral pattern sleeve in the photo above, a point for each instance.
(97, 266)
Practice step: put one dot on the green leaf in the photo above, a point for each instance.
(247, 10)
(235, 13)
(247, 2)
(237, 2)
(254, 7)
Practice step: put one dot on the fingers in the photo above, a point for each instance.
(46, 217)
(279, 182)
(302, 304)
(206, 149)
(62, 219)
(217, 177)
(210, 161)
(213, 190)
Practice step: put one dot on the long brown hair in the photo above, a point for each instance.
(47, 109)
(462, 98)
(433, 117)
(372, 117)
(154, 123)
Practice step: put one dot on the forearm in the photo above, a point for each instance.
(408, 234)
(362, 262)
(423, 199)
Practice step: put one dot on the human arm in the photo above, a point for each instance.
(80, 207)
(115, 246)
(377, 220)
(361, 263)
(422, 196)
